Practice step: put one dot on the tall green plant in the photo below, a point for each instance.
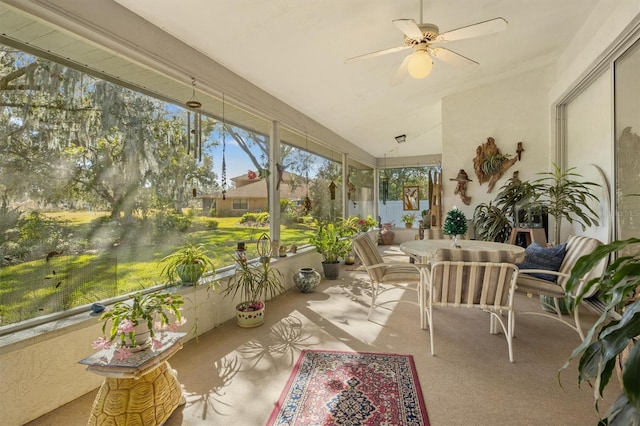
(563, 197)
(608, 338)
(494, 221)
(330, 241)
(254, 283)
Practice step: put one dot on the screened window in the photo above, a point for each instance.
(240, 204)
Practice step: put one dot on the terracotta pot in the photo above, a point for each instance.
(387, 235)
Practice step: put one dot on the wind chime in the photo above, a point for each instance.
(224, 149)
(194, 128)
(194, 124)
(332, 185)
(385, 183)
(307, 200)
(351, 192)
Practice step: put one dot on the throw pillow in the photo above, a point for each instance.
(547, 258)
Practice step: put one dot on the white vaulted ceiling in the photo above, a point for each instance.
(294, 50)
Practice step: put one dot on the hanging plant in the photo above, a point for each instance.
(492, 164)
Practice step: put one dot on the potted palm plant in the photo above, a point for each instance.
(188, 263)
(563, 197)
(134, 323)
(254, 283)
(330, 242)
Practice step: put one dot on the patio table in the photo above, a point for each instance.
(426, 249)
(143, 389)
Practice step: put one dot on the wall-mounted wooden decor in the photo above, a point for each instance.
(410, 198)
(461, 187)
(490, 164)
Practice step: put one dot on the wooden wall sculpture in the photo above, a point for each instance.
(490, 164)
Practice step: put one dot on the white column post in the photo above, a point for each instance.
(345, 179)
(274, 196)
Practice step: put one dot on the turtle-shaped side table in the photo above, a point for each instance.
(141, 390)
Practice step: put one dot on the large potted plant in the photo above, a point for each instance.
(494, 221)
(188, 263)
(612, 341)
(254, 283)
(330, 242)
(135, 322)
(563, 197)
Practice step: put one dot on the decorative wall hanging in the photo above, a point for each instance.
(410, 198)
(461, 187)
(280, 168)
(490, 164)
(351, 193)
(519, 150)
(332, 190)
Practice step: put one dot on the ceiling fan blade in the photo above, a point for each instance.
(409, 28)
(453, 58)
(402, 71)
(377, 53)
(476, 30)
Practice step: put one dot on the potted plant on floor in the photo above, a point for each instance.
(332, 245)
(612, 342)
(134, 322)
(188, 263)
(494, 221)
(255, 283)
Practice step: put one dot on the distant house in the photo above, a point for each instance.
(250, 195)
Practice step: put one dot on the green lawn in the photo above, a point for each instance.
(38, 287)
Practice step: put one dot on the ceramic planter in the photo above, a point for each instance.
(250, 314)
(306, 279)
(189, 273)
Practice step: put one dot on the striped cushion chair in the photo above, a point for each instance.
(577, 246)
(405, 275)
(474, 279)
(436, 234)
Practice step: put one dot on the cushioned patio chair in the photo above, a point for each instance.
(436, 234)
(474, 279)
(400, 274)
(576, 247)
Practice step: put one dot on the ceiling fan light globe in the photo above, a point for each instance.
(420, 65)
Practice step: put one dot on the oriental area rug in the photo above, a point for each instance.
(349, 389)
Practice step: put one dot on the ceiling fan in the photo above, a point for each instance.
(420, 38)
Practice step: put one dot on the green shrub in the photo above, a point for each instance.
(40, 235)
(249, 217)
(260, 219)
(212, 224)
(212, 212)
(286, 205)
(168, 222)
